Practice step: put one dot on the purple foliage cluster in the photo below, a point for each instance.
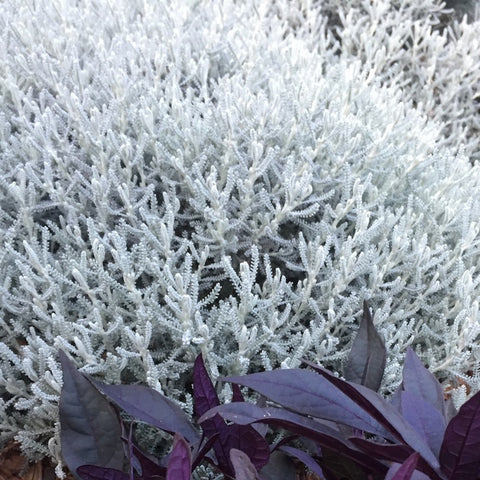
(348, 430)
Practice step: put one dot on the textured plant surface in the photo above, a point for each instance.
(232, 179)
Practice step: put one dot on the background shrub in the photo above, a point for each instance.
(231, 178)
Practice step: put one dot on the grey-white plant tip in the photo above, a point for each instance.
(232, 179)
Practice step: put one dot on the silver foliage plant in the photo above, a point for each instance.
(231, 178)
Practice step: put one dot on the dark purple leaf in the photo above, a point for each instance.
(367, 357)
(150, 468)
(201, 452)
(336, 467)
(424, 418)
(407, 468)
(397, 453)
(93, 472)
(180, 461)
(244, 438)
(237, 394)
(385, 413)
(384, 451)
(325, 434)
(305, 458)
(460, 451)
(310, 394)
(85, 417)
(151, 407)
(204, 395)
(279, 467)
(242, 466)
(420, 381)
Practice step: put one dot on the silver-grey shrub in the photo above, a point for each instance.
(213, 177)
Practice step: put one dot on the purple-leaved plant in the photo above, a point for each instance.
(348, 430)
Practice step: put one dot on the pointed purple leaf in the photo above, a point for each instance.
(385, 413)
(204, 395)
(151, 407)
(460, 451)
(242, 466)
(367, 357)
(180, 461)
(407, 468)
(310, 394)
(244, 438)
(85, 416)
(419, 380)
(424, 418)
(237, 394)
(93, 472)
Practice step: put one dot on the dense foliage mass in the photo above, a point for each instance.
(232, 179)
(344, 429)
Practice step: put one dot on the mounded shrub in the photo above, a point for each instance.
(213, 177)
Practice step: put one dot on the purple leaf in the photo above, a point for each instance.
(396, 453)
(323, 433)
(460, 451)
(244, 438)
(406, 470)
(204, 395)
(367, 357)
(385, 413)
(201, 451)
(242, 466)
(420, 381)
(385, 451)
(180, 461)
(93, 472)
(424, 418)
(85, 416)
(151, 407)
(310, 394)
(237, 394)
(336, 467)
(305, 458)
(150, 469)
